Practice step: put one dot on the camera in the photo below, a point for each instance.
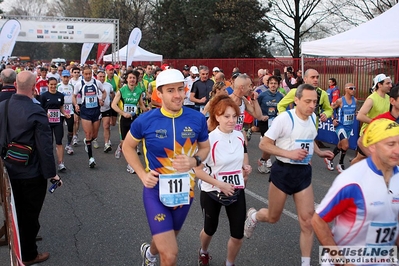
(55, 184)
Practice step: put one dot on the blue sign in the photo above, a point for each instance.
(326, 133)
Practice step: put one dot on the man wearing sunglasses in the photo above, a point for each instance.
(343, 124)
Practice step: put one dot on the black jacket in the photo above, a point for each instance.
(28, 124)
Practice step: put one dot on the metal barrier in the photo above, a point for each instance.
(10, 226)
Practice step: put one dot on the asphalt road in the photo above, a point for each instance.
(97, 217)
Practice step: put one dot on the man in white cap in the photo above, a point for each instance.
(215, 71)
(363, 202)
(176, 140)
(375, 104)
(188, 83)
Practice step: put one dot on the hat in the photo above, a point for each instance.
(65, 73)
(186, 67)
(164, 66)
(169, 76)
(109, 67)
(235, 75)
(72, 63)
(215, 69)
(117, 66)
(379, 78)
(194, 70)
(378, 130)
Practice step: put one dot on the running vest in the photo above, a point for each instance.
(346, 113)
(380, 105)
(130, 99)
(240, 120)
(89, 94)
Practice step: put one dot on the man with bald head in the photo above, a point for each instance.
(323, 108)
(8, 77)
(30, 127)
(343, 124)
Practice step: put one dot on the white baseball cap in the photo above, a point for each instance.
(169, 76)
(379, 78)
(194, 70)
(215, 69)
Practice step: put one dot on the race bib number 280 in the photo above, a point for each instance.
(174, 189)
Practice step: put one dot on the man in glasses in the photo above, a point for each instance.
(343, 124)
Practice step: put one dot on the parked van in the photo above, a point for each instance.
(58, 61)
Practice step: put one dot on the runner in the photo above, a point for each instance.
(362, 201)
(66, 88)
(343, 124)
(268, 101)
(175, 140)
(73, 81)
(225, 172)
(291, 139)
(106, 110)
(90, 109)
(131, 96)
(52, 102)
(376, 104)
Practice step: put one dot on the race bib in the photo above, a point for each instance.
(91, 100)
(54, 115)
(240, 123)
(381, 234)
(233, 177)
(68, 108)
(174, 189)
(130, 108)
(348, 119)
(43, 90)
(306, 144)
(270, 121)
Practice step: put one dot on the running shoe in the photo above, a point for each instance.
(340, 168)
(92, 162)
(262, 168)
(330, 164)
(107, 147)
(74, 140)
(249, 134)
(69, 149)
(84, 141)
(95, 144)
(130, 169)
(203, 258)
(146, 261)
(269, 163)
(61, 167)
(138, 150)
(118, 152)
(250, 224)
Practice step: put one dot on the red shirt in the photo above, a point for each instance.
(41, 85)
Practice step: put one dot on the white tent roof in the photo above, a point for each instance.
(376, 38)
(139, 55)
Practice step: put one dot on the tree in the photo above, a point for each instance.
(347, 14)
(209, 28)
(294, 21)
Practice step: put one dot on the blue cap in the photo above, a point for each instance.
(66, 73)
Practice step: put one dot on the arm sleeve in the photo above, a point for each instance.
(287, 100)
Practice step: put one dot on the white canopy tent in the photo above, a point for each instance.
(376, 38)
(139, 55)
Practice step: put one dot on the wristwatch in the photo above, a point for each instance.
(198, 160)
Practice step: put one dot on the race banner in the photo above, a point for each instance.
(102, 48)
(86, 48)
(8, 37)
(134, 39)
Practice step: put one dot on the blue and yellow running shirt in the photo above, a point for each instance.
(165, 135)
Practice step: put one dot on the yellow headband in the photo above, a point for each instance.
(378, 130)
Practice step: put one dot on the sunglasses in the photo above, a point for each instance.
(351, 88)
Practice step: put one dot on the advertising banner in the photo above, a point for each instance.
(86, 48)
(8, 36)
(102, 48)
(134, 39)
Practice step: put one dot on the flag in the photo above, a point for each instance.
(8, 37)
(86, 48)
(102, 48)
(134, 39)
